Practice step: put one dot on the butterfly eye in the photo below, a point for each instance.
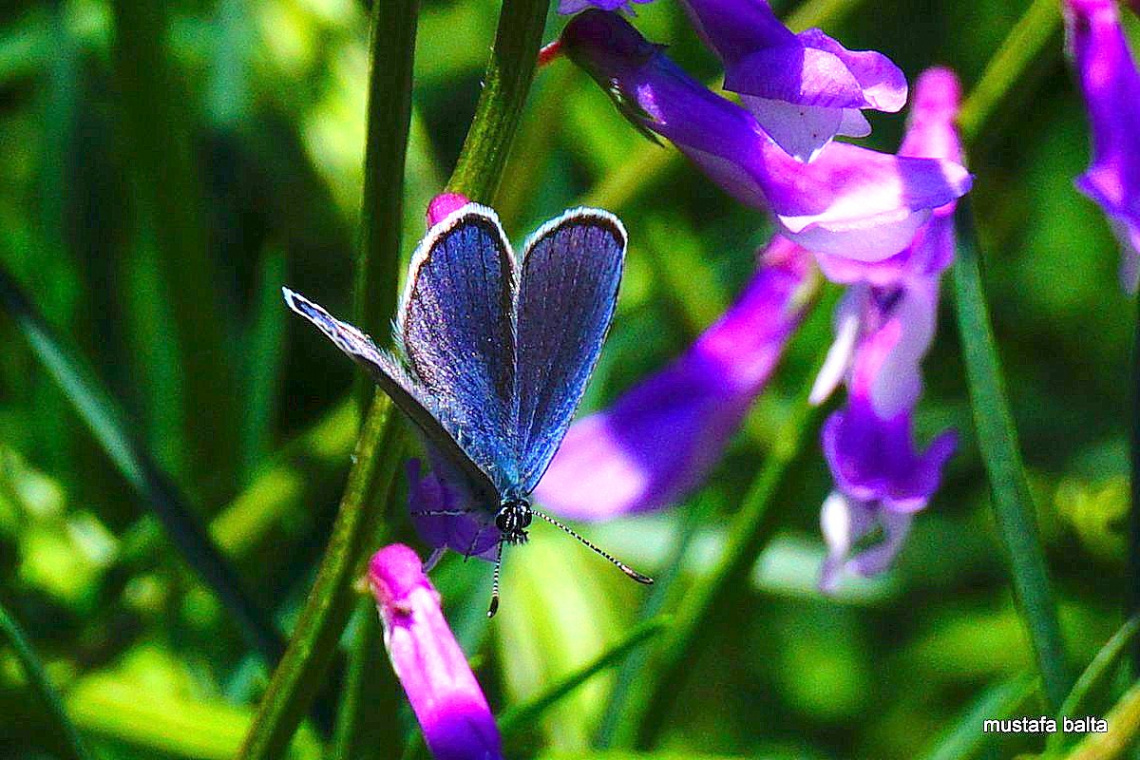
(524, 519)
(503, 521)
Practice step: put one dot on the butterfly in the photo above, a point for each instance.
(497, 352)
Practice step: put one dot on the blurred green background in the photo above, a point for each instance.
(157, 187)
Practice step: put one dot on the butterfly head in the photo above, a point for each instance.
(513, 518)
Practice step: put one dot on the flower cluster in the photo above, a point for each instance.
(877, 223)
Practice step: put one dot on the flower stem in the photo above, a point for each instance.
(389, 119)
(380, 446)
(505, 87)
(68, 737)
(1009, 488)
(751, 529)
(296, 680)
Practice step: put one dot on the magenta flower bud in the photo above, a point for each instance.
(443, 206)
(1111, 87)
(804, 88)
(449, 705)
(660, 439)
(849, 201)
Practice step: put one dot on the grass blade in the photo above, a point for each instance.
(997, 439)
(99, 411)
(263, 360)
(964, 739)
(518, 716)
(1094, 677)
(1123, 731)
(38, 681)
(168, 197)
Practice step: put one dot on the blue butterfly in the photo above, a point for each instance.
(498, 353)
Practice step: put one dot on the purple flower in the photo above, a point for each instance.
(448, 703)
(444, 513)
(662, 437)
(804, 88)
(566, 7)
(1111, 87)
(849, 201)
(884, 327)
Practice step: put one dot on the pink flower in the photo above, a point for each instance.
(449, 705)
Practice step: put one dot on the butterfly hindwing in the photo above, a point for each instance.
(457, 330)
(568, 289)
(412, 400)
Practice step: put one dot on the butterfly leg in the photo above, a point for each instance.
(494, 607)
(434, 558)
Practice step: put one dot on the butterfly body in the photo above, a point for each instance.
(497, 353)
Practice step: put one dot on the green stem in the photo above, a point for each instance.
(296, 680)
(505, 87)
(751, 529)
(389, 119)
(98, 409)
(366, 719)
(39, 683)
(997, 440)
(380, 445)
(379, 450)
(524, 714)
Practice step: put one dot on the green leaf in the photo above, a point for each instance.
(38, 682)
(1009, 488)
(97, 408)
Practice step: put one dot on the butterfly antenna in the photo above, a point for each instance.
(495, 583)
(629, 571)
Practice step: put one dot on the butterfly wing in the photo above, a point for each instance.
(435, 423)
(568, 290)
(457, 330)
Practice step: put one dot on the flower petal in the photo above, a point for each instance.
(849, 201)
(457, 722)
(1111, 86)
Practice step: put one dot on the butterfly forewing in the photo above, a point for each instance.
(437, 425)
(456, 327)
(567, 293)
